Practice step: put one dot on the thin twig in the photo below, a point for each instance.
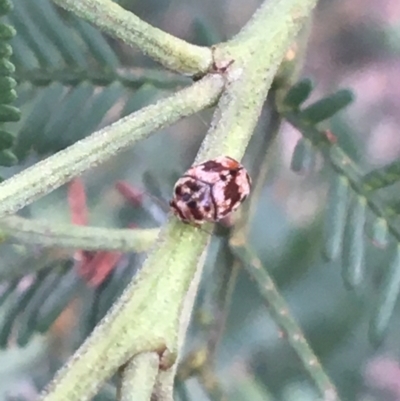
(202, 362)
(210, 383)
(282, 316)
(261, 167)
(42, 233)
(164, 387)
(222, 309)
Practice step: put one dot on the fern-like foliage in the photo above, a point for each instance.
(351, 195)
(33, 302)
(70, 78)
(8, 113)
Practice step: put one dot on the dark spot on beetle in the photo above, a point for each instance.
(207, 208)
(186, 197)
(222, 177)
(178, 191)
(192, 204)
(197, 214)
(215, 205)
(192, 186)
(232, 192)
(212, 165)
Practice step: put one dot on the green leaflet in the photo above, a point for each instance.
(8, 290)
(5, 50)
(388, 296)
(380, 233)
(7, 158)
(335, 216)
(5, 7)
(27, 319)
(56, 302)
(205, 33)
(382, 177)
(19, 301)
(6, 84)
(7, 32)
(6, 67)
(9, 97)
(298, 93)
(353, 264)
(37, 119)
(6, 139)
(327, 107)
(303, 159)
(8, 113)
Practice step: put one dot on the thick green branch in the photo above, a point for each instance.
(42, 233)
(291, 14)
(138, 377)
(60, 168)
(164, 389)
(147, 316)
(171, 52)
(256, 54)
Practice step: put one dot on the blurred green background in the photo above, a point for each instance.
(68, 88)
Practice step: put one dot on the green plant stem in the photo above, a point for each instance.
(282, 316)
(58, 169)
(247, 387)
(138, 377)
(147, 315)
(173, 53)
(201, 362)
(36, 232)
(256, 54)
(210, 383)
(382, 177)
(144, 319)
(164, 387)
(223, 301)
(261, 165)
